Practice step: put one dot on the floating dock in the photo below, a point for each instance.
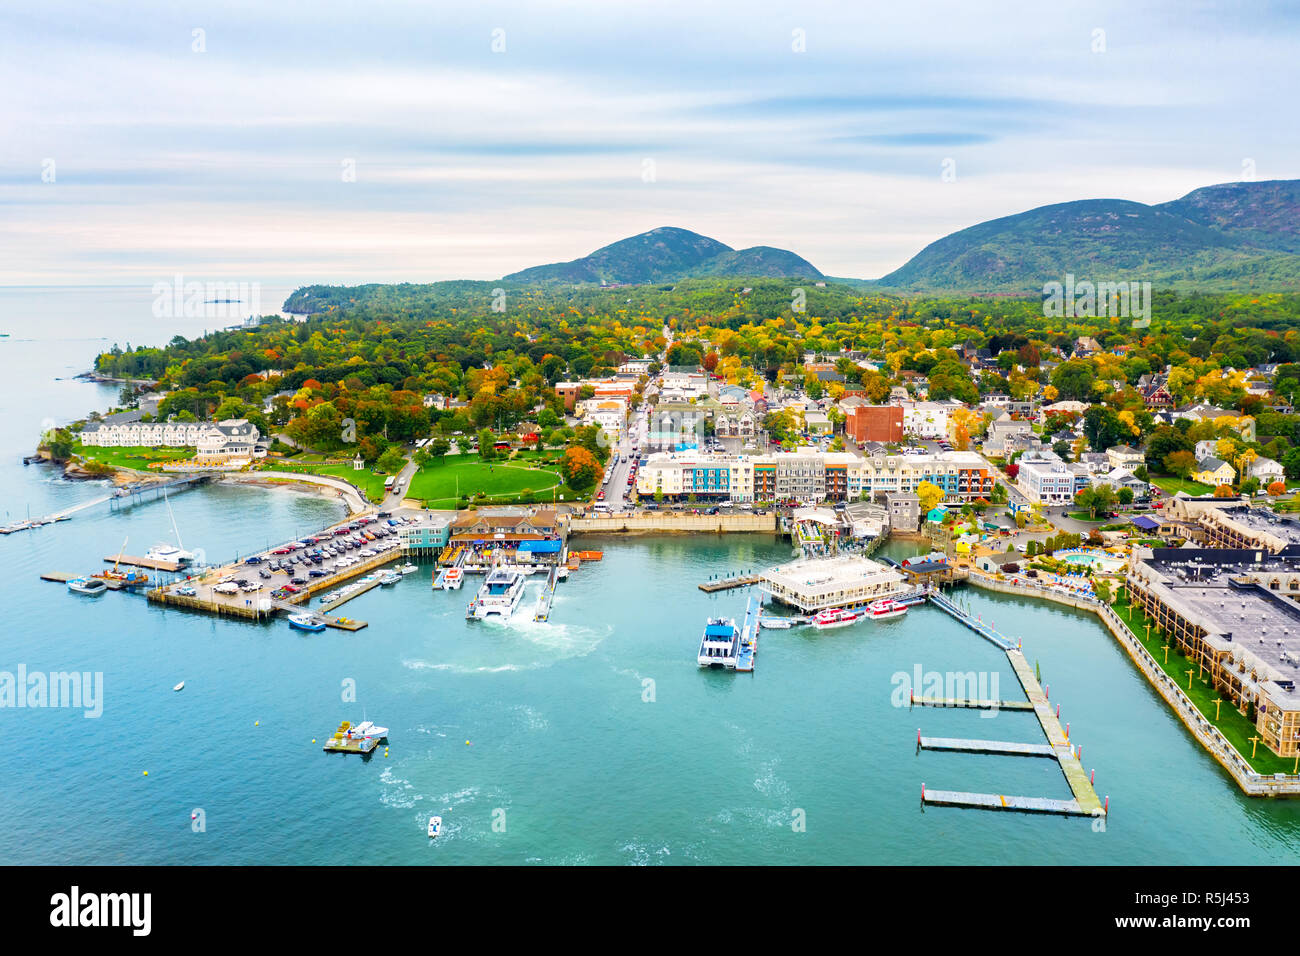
(971, 703)
(999, 801)
(152, 564)
(749, 639)
(329, 601)
(544, 600)
(341, 743)
(726, 584)
(1003, 747)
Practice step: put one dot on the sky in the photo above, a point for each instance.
(343, 142)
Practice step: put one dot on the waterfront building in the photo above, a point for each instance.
(1240, 526)
(213, 441)
(814, 584)
(1234, 613)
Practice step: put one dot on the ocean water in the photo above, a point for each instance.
(592, 738)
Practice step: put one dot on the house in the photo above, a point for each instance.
(1154, 389)
(1086, 345)
(1097, 462)
(1045, 478)
(1001, 429)
(817, 423)
(1123, 478)
(904, 510)
(1214, 471)
(1125, 456)
(1266, 470)
(881, 423)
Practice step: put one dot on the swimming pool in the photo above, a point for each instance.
(1102, 562)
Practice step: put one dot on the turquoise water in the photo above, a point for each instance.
(567, 756)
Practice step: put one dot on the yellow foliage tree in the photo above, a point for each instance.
(930, 495)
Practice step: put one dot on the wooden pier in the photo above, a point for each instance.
(344, 598)
(153, 564)
(1003, 747)
(971, 703)
(726, 584)
(999, 801)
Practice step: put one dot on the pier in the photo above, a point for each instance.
(153, 564)
(1058, 746)
(970, 703)
(543, 609)
(727, 584)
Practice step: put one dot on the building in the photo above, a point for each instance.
(881, 423)
(926, 419)
(609, 414)
(1125, 456)
(1239, 526)
(817, 423)
(1045, 479)
(1234, 613)
(678, 426)
(1214, 471)
(1266, 470)
(904, 510)
(233, 438)
(430, 534)
(569, 391)
(814, 584)
(1005, 434)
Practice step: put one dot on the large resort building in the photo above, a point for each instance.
(814, 584)
(1234, 612)
(214, 442)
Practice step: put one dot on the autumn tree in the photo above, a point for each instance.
(580, 468)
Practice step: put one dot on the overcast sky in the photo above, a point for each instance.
(823, 128)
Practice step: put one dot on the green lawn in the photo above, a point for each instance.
(1172, 485)
(1233, 724)
(137, 456)
(438, 482)
(370, 482)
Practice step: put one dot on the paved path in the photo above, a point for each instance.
(355, 501)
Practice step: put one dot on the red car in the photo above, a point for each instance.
(281, 551)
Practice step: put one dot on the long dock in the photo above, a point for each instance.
(544, 600)
(1003, 747)
(998, 801)
(971, 703)
(153, 564)
(749, 637)
(1058, 746)
(331, 602)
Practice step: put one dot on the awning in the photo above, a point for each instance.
(541, 547)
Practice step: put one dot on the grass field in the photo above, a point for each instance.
(370, 482)
(138, 456)
(1172, 485)
(438, 483)
(1234, 725)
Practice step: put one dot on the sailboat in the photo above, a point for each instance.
(168, 552)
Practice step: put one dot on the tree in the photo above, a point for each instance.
(486, 441)
(580, 468)
(930, 495)
(1224, 491)
(1097, 498)
(391, 461)
(439, 447)
(1180, 463)
(1277, 488)
(1125, 495)
(1073, 380)
(1249, 486)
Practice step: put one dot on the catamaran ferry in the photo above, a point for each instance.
(499, 595)
(884, 610)
(720, 643)
(835, 617)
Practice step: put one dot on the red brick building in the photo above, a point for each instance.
(882, 423)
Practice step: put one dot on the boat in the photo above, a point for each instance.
(389, 578)
(452, 579)
(885, 609)
(407, 569)
(499, 595)
(835, 617)
(720, 643)
(777, 623)
(169, 552)
(306, 622)
(368, 730)
(435, 826)
(130, 579)
(180, 686)
(88, 586)
(562, 572)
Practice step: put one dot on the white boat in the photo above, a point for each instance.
(886, 609)
(720, 643)
(452, 579)
(435, 826)
(389, 578)
(834, 617)
(499, 595)
(407, 569)
(169, 552)
(87, 586)
(180, 686)
(306, 622)
(778, 623)
(367, 729)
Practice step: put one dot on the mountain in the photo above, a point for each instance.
(1231, 236)
(668, 254)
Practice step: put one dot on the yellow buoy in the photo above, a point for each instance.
(313, 740)
(256, 723)
(146, 773)
(467, 743)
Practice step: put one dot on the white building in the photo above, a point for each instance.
(1045, 479)
(814, 584)
(232, 438)
(610, 414)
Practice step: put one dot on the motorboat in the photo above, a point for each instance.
(306, 622)
(180, 686)
(368, 729)
(886, 609)
(389, 578)
(408, 569)
(435, 826)
(720, 643)
(834, 617)
(777, 623)
(169, 552)
(499, 595)
(90, 586)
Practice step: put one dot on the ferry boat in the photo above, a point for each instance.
(499, 595)
(884, 610)
(835, 617)
(720, 643)
(452, 579)
(87, 586)
(306, 622)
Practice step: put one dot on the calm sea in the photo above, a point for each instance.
(590, 739)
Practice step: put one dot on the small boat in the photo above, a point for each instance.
(452, 579)
(389, 578)
(407, 569)
(306, 622)
(834, 617)
(779, 623)
(90, 586)
(368, 730)
(180, 686)
(435, 826)
(884, 610)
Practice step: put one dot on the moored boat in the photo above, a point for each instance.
(91, 586)
(720, 643)
(389, 578)
(407, 569)
(306, 622)
(834, 617)
(499, 595)
(886, 609)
